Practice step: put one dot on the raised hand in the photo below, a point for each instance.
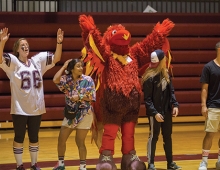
(4, 35)
(86, 23)
(60, 34)
(66, 63)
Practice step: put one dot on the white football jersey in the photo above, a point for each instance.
(26, 81)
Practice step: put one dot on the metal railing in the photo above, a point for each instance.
(161, 6)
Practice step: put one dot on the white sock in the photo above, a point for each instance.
(205, 154)
(82, 164)
(61, 160)
(18, 155)
(34, 153)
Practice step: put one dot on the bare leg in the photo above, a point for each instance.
(207, 144)
(63, 136)
(207, 141)
(15, 144)
(80, 142)
(218, 164)
(219, 143)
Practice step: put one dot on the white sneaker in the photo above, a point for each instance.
(82, 169)
(217, 165)
(203, 166)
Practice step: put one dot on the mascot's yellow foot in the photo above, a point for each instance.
(132, 162)
(106, 161)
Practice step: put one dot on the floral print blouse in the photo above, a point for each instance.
(84, 87)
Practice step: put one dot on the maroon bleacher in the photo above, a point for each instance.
(192, 42)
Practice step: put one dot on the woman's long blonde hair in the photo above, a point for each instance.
(151, 72)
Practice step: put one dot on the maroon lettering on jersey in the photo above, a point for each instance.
(37, 79)
(26, 80)
(7, 59)
(49, 58)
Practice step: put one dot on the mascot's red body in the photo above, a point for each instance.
(116, 66)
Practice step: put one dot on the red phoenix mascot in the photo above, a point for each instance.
(116, 67)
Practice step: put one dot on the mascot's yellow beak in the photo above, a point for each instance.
(122, 37)
(126, 36)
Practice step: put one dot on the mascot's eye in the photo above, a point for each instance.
(114, 32)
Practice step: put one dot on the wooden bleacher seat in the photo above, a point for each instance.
(191, 57)
(69, 44)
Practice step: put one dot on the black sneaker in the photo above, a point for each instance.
(173, 166)
(151, 167)
(35, 167)
(21, 167)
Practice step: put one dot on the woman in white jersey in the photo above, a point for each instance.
(27, 94)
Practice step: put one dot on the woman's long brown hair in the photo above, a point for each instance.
(16, 45)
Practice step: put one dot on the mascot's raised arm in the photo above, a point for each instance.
(115, 67)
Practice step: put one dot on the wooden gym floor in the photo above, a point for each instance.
(187, 143)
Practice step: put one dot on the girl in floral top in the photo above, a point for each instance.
(79, 91)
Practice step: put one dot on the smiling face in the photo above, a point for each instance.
(78, 69)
